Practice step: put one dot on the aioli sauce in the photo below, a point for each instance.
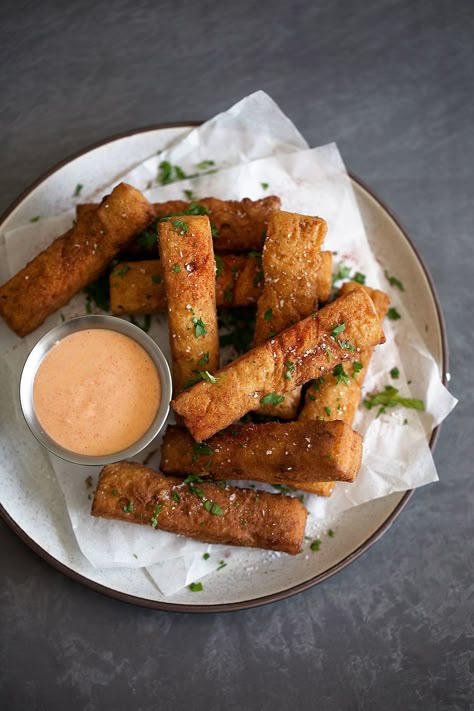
(96, 392)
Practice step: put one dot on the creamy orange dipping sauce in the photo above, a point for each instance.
(96, 392)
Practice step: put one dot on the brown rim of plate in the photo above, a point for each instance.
(288, 592)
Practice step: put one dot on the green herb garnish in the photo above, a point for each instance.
(205, 164)
(291, 369)
(264, 185)
(219, 265)
(122, 271)
(156, 279)
(395, 373)
(176, 268)
(268, 315)
(390, 398)
(340, 374)
(195, 587)
(315, 545)
(393, 314)
(36, 218)
(337, 330)
(327, 410)
(272, 399)
(78, 189)
(359, 278)
(206, 556)
(199, 449)
(199, 327)
(393, 281)
(204, 359)
(129, 507)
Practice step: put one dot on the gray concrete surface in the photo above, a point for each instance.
(392, 83)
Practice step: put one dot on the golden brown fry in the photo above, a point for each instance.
(239, 517)
(260, 373)
(73, 260)
(333, 398)
(137, 288)
(273, 452)
(189, 273)
(239, 225)
(291, 262)
(141, 289)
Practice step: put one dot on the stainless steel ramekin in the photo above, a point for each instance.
(83, 323)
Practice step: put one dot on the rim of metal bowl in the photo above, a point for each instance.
(82, 323)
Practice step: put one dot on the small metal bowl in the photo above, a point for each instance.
(82, 323)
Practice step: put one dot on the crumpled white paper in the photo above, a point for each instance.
(251, 145)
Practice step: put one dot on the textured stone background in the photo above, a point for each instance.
(392, 83)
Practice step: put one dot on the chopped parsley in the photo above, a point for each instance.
(327, 410)
(337, 330)
(180, 226)
(356, 366)
(168, 173)
(393, 281)
(206, 556)
(176, 268)
(393, 314)
(204, 359)
(222, 564)
(237, 328)
(359, 278)
(156, 512)
(219, 265)
(205, 164)
(124, 269)
(272, 399)
(98, 293)
(331, 533)
(156, 279)
(342, 272)
(340, 374)
(213, 508)
(115, 492)
(175, 496)
(268, 315)
(291, 369)
(264, 185)
(129, 507)
(189, 194)
(390, 398)
(395, 373)
(195, 587)
(315, 545)
(36, 218)
(202, 375)
(78, 190)
(199, 327)
(199, 449)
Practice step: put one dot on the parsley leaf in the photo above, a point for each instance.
(315, 545)
(36, 218)
(340, 374)
(291, 369)
(393, 314)
(205, 164)
(122, 271)
(395, 373)
(359, 278)
(176, 268)
(390, 398)
(219, 265)
(156, 279)
(272, 399)
(264, 185)
(199, 449)
(268, 315)
(204, 359)
(199, 327)
(337, 330)
(78, 189)
(393, 281)
(195, 587)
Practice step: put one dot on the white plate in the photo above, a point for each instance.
(43, 522)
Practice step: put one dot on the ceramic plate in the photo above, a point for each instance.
(43, 523)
